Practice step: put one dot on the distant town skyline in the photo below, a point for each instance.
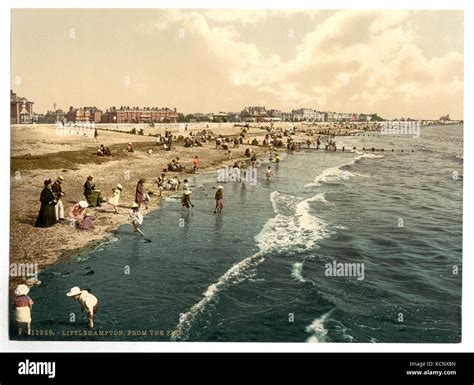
(394, 63)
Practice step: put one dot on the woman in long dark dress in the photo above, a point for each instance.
(47, 214)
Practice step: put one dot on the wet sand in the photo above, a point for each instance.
(38, 152)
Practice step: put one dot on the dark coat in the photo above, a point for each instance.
(47, 215)
(88, 187)
(57, 190)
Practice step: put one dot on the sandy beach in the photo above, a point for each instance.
(39, 152)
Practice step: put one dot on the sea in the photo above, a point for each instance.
(346, 246)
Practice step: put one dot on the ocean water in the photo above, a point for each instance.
(258, 270)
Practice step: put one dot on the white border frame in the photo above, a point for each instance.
(467, 344)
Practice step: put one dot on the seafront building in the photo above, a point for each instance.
(140, 115)
(21, 109)
(22, 113)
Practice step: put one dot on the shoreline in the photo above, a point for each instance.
(47, 247)
(86, 240)
(93, 244)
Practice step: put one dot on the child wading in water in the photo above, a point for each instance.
(269, 173)
(186, 200)
(219, 199)
(137, 218)
(22, 306)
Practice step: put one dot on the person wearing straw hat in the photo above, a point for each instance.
(186, 200)
(58, 193)
(46, 215)
(115, 199)
(219, 199)
(137, 218)
(22, 305)
(92, 195)
(88, 302)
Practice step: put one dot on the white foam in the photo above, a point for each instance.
(298, 230)
(186, 319)
(319, 198)
(297, 272)
(317, 328)
(373, 156)
(335, 173)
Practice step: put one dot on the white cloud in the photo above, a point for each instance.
(365, 57)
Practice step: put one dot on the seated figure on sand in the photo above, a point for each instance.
(93, 196)
(80, 217)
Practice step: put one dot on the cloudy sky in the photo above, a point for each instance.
(395, 63)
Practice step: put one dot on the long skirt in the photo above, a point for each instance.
(94, 199)
(23, 314)
(46, 216)
(87, 223)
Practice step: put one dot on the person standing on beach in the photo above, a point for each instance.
(137, 218)
(219, 197)
(87, 301)
(47, 214)
(115, 199)
(140, 194)
(58, 194)
(22, 306)
(96, 134)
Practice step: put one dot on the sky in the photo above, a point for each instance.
(394, 63)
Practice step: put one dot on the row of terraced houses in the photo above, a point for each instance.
(22, 113)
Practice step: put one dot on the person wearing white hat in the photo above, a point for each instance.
(22, 306)
(115, 199)
(137, 218)
(88, 301)
(78, 212)
(186, 199)
(219, 197)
